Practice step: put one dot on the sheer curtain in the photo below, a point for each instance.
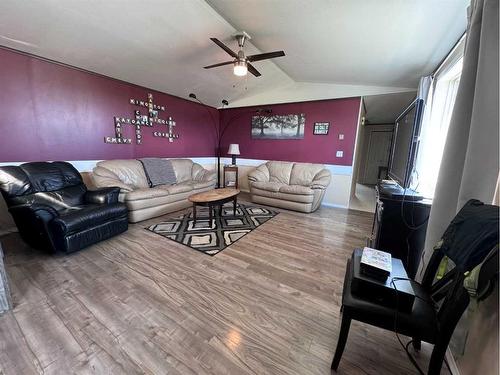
(439, 103)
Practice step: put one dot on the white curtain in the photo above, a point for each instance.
(425, 151)
(439, 93)
(469, 166)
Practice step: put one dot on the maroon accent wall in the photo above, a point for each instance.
(341, 113)
(53, 112)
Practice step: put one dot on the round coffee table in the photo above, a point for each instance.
(214, 198)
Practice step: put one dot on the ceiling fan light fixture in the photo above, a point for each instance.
(240, 68)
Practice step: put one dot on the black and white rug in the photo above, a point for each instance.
(213, 237)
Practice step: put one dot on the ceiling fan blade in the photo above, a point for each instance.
(224, 47)
(252, 70)
(265, 56)
(219, 64)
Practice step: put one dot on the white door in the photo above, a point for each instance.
(379, 144)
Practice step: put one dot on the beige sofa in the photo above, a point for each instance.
(294, 186)
(144, 202)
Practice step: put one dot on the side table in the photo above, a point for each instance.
(5, 299)
(228, 183)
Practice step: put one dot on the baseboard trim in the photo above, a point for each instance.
(334, 205)
(451, 361)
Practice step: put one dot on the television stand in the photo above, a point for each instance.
(400, 224)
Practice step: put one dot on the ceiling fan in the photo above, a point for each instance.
(241, 63)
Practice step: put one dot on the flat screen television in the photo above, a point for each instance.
(405, 141)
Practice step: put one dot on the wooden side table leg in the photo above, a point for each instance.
(234, 204)
(194, 213)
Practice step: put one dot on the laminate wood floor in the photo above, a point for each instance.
(140, 303)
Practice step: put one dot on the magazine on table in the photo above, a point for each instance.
(376, 261)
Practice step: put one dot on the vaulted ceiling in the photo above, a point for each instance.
(386, 108)
(333, 48)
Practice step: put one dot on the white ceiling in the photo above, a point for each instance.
(163, 45)
(385, 109)
(383, 42)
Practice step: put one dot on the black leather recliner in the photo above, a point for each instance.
(53, 209)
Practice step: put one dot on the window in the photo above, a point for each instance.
(436, 120)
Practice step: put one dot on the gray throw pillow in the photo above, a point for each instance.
(159, 171)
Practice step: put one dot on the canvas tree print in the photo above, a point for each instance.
(278, 126)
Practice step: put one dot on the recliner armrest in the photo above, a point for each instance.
(41, 210)
(105, 195)
(33, 221)
(321, 180)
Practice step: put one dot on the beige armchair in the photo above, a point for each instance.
(294, 186)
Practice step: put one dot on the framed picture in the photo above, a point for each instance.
(278, 126)
(321, 128)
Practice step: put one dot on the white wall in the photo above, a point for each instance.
(481, 349)
(358, 149)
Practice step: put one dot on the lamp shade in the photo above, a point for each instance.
(234, 149)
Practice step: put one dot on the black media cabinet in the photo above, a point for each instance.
(402, 236)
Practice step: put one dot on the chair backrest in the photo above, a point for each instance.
(291, 173)
(57, 184)
(127, 171)
(183, 169)
(279, 171)
(469, 239)
(304, 173)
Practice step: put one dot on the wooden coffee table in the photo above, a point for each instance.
(214, 198)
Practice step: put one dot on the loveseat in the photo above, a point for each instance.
(53, 210)
(145, 201)
(294, 186)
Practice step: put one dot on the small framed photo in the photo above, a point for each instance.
(321, 128)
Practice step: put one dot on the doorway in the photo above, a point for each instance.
(373, 145)
(377, 154)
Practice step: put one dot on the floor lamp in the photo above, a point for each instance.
(220, 129)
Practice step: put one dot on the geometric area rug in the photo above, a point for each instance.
(213, 237)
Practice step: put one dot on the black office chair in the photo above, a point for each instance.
(471, 237)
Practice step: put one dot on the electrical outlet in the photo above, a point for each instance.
(340, 154)
(341, 136)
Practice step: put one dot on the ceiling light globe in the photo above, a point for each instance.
(240, 68)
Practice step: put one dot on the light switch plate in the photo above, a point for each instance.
(340, 154)
(341, 136)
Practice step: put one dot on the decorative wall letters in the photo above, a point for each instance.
(141, 120)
